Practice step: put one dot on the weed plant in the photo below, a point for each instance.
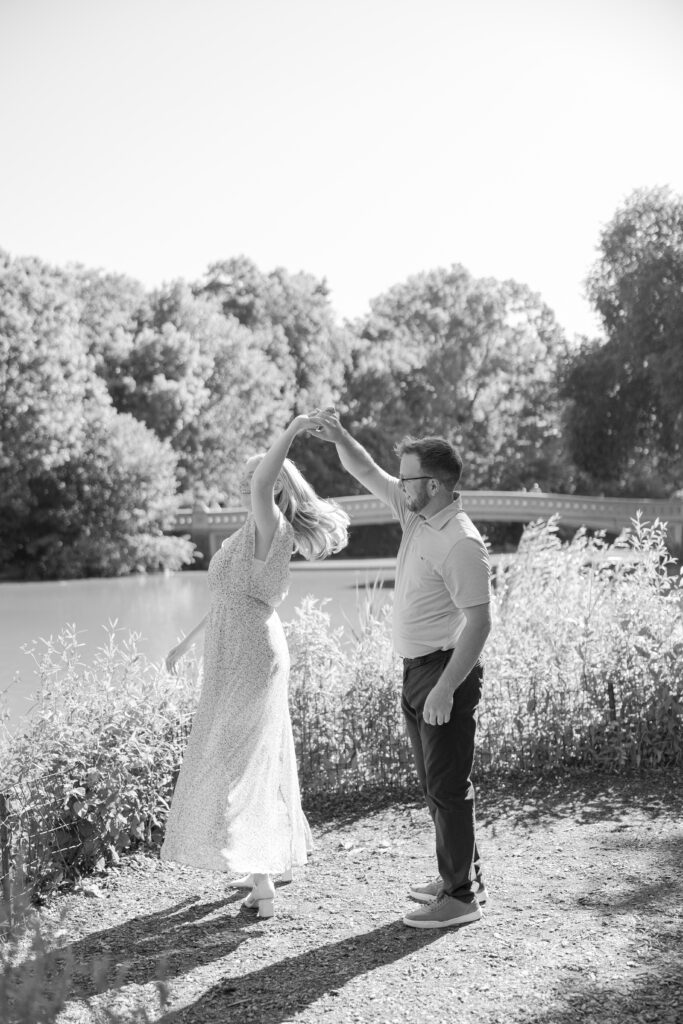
(584, 668)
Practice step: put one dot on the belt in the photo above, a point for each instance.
(423, 658)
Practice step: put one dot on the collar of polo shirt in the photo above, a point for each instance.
(441, 517)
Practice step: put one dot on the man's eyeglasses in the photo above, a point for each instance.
(404, 479)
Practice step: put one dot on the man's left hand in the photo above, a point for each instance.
(438, 706)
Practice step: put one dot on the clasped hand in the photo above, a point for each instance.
(325, 423)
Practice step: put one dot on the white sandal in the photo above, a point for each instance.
(261, 897)
(247, 881)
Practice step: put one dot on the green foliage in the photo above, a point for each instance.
(295, 308)
(583, 669)
(112, 309)
(82, 490)
(245, 408)
(214, 369)
(345, 715)
(624, 414)
(44, 379)
(472, 360)
(585, 663)
(637, 288)
(103, 512)
(93, 774)
(196, 378)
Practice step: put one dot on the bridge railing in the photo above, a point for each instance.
(610, 514)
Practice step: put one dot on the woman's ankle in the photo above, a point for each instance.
(263, 884)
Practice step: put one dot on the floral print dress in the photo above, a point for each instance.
(236, 806)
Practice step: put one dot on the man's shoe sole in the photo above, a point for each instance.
(475, 915)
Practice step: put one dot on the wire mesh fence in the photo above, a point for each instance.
(33, 846)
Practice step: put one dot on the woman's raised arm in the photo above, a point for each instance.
(264, 484)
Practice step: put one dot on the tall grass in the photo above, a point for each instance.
(584, 668)
(585, 663)
(343, 700)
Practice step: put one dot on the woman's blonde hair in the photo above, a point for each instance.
(321, 527)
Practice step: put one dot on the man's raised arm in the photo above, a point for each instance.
(353, 456)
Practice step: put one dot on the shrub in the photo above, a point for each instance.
(94, 773)
(584, 668)
(584, 665)
(343, 699)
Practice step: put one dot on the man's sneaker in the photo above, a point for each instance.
(429, 891)
(444, 912)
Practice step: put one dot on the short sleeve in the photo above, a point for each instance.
(389, 491)
(467, 573)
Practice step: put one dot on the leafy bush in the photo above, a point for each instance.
(94, 773)
(584, 668)
(343, 698)
(84, 491)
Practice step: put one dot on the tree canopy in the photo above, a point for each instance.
(82, 490)
(306, 344)
(474, 360)
(117, 403)
(625, 415)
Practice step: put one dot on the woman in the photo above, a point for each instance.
(236, 806)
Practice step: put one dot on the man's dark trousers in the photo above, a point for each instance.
(443, 759)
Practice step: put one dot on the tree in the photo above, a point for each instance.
(112, 310)
(104, 511)
(472, 360)
(245, 407)
(201, 381)
(310, 350)
(81, 490)
(625, 415)
(45, 375)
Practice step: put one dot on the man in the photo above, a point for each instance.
(441, 619)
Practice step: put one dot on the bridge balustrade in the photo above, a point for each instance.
(210, 527)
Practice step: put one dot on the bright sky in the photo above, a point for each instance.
(360, 140)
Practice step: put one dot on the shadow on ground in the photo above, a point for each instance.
(524, 800)
(191, 934)
(652, 999)
(277, 992)
(581, 797)
(195, 934)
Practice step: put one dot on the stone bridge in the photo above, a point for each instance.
(208, 528)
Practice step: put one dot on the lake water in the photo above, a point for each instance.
(161, 608)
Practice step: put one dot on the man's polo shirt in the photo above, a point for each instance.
(442, 567)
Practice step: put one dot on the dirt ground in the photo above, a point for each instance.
(584, 921)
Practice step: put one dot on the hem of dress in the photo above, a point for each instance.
(225, 866)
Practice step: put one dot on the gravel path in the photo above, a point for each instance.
(584, 921)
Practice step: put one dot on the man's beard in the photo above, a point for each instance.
(421, 499)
